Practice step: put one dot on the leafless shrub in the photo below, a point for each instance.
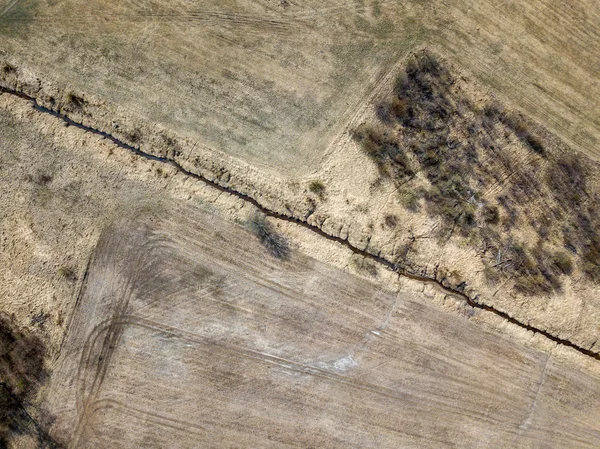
(317, 187)
(384, 150)
(518, 125)
(563, 262)
(410, 199)
(591, 259)
(491, 215)
(42, 179)
(75, 101)
(391, 221)
(8, 68)
(532, 285)
(275, 244)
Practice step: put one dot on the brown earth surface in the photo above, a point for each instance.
(190, 334)
(194, 116)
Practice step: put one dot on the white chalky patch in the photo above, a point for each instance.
(345, 363)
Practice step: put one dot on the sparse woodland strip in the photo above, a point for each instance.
(479, 170)
(403, 271)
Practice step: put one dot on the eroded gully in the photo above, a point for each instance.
(438, 284)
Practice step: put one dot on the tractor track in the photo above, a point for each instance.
(251, 354)
(439, 284)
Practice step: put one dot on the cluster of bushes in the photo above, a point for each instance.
(494, 113)
(579, 214)
(567, 179)
(385, 150)
(591, 259)
(538, 270)
(416, 133)
(22, 371)
(423, 107)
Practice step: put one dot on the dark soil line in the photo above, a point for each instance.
(439, 284)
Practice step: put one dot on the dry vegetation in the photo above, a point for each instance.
(274, 243)
(247, 351)
(318, 188)
(22, 371)
(486, 175)
(256, 80)
(273, 83)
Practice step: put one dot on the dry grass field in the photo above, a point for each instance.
(272, 82)
(190, 334)
(540, 56)
(275, 223)
(253, 79)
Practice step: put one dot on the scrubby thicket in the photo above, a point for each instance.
(21, 373)
(483, 174)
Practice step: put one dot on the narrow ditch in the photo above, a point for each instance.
(402, 271)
